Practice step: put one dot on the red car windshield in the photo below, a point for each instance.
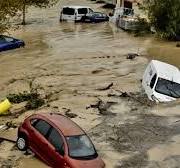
(81, 147)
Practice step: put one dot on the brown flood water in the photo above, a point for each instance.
(164, 51)
(65, 54)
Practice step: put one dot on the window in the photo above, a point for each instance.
(34, 121)
(2, 40)
(81, 147)
(9, 39)
(90, 10)
(168, 88)
(153, 80)
(82, 11)
(68, 11)
(42, 126)
(55, 139)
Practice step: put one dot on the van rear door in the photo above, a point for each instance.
(68, 14)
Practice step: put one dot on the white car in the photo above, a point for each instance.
(74, 13)
(161, 81)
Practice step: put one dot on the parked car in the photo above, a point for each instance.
(9, 43)
(74, 13)
(95, 17)
(161, 81)
(58, 141)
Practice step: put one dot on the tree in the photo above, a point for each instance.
(24, 4)
(8, 9)
(11, 8)
(164, 16)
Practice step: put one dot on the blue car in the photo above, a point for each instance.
(95, 17)
(9, 43)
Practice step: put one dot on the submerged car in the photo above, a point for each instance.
(95, 17)
(9, 43)
(74, 13)
(58, 141)
(161, 81)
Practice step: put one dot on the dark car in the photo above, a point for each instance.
(58, 141)
(95, 17)
(9, 43)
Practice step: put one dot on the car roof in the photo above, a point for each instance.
(75, 6)
(166, 71)
(66, 126)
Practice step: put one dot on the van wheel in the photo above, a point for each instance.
(21, 143)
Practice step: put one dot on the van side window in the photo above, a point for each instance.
(153, 80)
(82, 11)
(68, 11)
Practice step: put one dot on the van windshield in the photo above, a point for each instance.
(81, 147)
(68, 11)
(82, 11)
(168, 88)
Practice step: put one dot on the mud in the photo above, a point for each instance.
(72, 65)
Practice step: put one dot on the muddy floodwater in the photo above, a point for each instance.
(71, 63)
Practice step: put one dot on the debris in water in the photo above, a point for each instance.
(106, 88)
(103, 107)
(33, 99)
(4, 107)
(11, 125)
(3, 127)
(132, 56)
(134, 96)
(178, 45)
(6, 139)
(123, 94)
(69, 114)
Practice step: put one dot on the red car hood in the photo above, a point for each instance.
(94, 163)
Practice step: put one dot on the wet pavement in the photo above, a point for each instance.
(70, 62)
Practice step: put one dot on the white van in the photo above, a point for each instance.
(74, 13)
(161, 81)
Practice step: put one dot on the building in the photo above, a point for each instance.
(125, 3)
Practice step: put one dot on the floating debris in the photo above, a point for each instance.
(132, 56)
(106, 88)
(4, 107)
(103, 107)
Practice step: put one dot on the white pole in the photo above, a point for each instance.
(118, 4)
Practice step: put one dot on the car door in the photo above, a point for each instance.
(56, 148)
(4, 45)
(38, 141)
(81, 12)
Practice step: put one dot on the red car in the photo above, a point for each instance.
(58, 141)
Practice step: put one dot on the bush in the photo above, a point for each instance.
(164, 16)
(33, 98)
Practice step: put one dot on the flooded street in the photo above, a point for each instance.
(70, 62)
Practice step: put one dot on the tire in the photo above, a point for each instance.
(21, 143)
